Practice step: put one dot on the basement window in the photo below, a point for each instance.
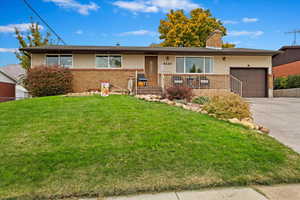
(194, 65)
(108, 61)
(59, 60)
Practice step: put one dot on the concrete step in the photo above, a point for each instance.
(150, 90)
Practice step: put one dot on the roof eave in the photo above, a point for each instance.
(150, 51)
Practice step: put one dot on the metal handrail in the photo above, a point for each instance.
(240, 82)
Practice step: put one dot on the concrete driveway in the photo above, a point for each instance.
(281, 116)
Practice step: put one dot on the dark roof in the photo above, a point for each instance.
(14, 71)
(147, 50)
(289, 47)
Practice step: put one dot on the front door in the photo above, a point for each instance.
(151, 70)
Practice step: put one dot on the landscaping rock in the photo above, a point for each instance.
(248, 119)
(199, 110)
(185, 107)
(82, 94)
(204, 112)
(234, 121)
(194, 108)
(265, 130)
(179, 104)
(171, 103)
(248, 124)
(164, 100)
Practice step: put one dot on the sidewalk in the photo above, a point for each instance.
(277, 192)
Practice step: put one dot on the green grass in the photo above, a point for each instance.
(81, 146)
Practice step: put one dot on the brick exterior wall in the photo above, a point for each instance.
(287, 69)
(84, 79)
(270, 81)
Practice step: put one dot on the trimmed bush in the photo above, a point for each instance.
(201, 100)
(48, 81)
(179, 93)
(292, 81)
(280, 83)
(228, 106)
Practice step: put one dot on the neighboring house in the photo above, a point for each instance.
(7, 87)
(11, 89)
(245, 71)
(287, 62)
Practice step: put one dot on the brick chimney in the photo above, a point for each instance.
(215, 40)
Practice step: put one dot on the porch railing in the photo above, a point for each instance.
(236, 85)
(197, 81)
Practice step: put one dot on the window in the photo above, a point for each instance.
(52, 60)
(194, 65)
(60, 60)
(108, 61)
(66, 60)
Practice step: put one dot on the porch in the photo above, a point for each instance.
(202, 84)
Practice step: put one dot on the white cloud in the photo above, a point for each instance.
(79, 32)
(230, 22)
(249, 20)
(153, 6)
(8, 50)
(138, 32)
(10, 28)
(245, 33)
(83, 9)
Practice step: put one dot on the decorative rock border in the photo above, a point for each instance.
(85, 94)
(248, 122)
(82, 94)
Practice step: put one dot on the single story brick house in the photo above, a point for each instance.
(287, 62)
(247, 72)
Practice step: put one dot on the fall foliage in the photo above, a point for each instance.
(33, 38)
(179, 30)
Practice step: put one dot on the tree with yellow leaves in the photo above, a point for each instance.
(179, 30)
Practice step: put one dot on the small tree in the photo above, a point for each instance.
(179, 30)
(33, 38)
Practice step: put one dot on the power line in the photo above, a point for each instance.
(51, 29)
(294, 32)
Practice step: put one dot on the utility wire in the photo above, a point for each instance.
(51, 29)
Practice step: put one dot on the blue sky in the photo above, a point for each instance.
(250, 24)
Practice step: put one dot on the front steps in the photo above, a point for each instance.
(154, 90)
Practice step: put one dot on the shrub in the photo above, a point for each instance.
(201, 100)
(179, 92)
(281, 83)
(292, 81)
(48, 81)
(228, 106)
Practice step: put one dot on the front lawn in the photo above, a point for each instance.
(80, 146)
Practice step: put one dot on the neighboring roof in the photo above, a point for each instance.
(289, 47)
(14, 71)
(149, 50)
(9, 77)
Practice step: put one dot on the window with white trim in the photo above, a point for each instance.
(59, 60)
(108, 61)
(194, 65)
